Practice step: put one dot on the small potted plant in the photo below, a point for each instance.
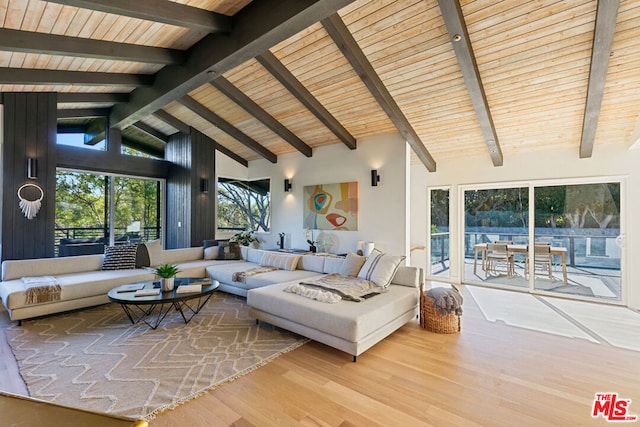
(167, 274)
(312, 243)
(244, 238)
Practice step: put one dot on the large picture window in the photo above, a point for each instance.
(243, 205)
(95, 210)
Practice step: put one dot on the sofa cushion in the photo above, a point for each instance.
(348, 320)
(75, 285)
(121, 257)
(154, 248)
(281, 261)
(15, 269)
(253, 255)
(380, 267)
(352, 264)
(333, 265)
(311, 263)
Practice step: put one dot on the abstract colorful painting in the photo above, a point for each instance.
(331, 206)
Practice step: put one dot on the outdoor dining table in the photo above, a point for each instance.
(481, 248)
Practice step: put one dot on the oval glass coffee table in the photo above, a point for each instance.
(139, 306)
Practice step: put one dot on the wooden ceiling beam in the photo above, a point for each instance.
(52, 44)
(227, 127)
(606, 16)
(351, 50)
(30, 76)
(186, 129)
(250, 106)
(256, 28)
(173, 121)
(155, 133)
(297, 89)
(91, 97)
(164, 11)
(459, 36)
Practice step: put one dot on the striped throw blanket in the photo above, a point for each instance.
(42, 289)
(241, 276)
(346, 287)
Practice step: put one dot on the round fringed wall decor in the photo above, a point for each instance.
(30, 208)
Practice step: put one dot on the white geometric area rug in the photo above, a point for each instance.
(95, 359)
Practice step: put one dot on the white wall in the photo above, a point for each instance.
(383, 209)
(608, 161)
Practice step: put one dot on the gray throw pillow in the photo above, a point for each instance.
(352, 264)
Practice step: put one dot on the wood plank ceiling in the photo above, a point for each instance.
(267, 77)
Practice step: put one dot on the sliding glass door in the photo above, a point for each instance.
(578, 250)
(571, 248)
(495, 221)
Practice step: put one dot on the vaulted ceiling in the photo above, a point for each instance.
(267, 77)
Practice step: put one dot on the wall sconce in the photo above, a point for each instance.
(32, 168)
(204, 185)
(375, 178)
(287, 185)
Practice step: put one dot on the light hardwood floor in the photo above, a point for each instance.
(490, 374)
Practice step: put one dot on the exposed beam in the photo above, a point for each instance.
(351, 50)
(155, 133)
(30, 76)
(225, 150)
(602, 40)
(173, 121)
(226, 127)
(459, 36)
(293, 85)
(52, 44)
(237, 96)
(164, 11)
(185, 128)
(257, 27)
(83, 112)
(91, 97)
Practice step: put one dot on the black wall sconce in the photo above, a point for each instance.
(375, 178)
(287, 185)
(32, 168)
(204, 185)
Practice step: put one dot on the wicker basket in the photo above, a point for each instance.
(433, 321)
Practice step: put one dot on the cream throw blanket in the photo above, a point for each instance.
(41, 289)
(334, 287)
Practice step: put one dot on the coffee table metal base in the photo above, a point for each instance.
(145, 313)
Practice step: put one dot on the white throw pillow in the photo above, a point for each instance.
(211, 252)
(380, 268)
(283, 262)
(352, 264)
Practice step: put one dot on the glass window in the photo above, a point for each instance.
(243, 205)
(85, 221)
(439, 233)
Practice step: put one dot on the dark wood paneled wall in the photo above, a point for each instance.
(203, 206)
(179, 189)
(191, 216)
(30, 123)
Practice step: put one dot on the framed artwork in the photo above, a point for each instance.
(331, 206)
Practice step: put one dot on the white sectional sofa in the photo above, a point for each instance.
(348, 326)
(83, 282)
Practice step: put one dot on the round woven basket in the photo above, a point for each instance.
(433, 321)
